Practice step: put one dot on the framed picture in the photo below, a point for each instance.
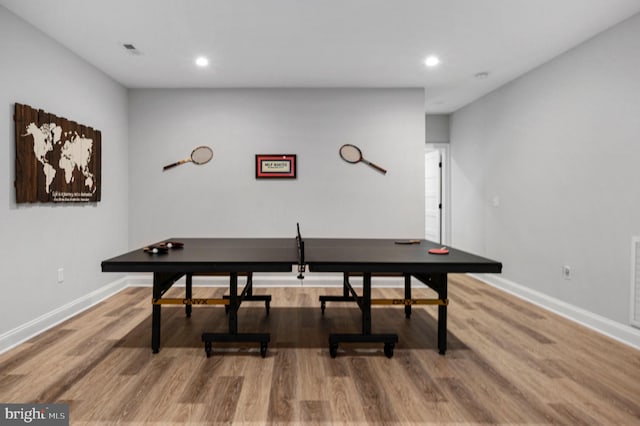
(276, 166)
(57, 160)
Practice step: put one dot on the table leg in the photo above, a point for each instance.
(345, 285)
(366, 303)
(441, 281)
(407, 294)
(188, 294)
(233, 303)
(155, 314)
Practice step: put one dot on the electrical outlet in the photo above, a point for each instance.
(60, 275)
(566, 272)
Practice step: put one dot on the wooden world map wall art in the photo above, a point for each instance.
(57, 160)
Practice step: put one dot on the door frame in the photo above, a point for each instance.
(445, 225)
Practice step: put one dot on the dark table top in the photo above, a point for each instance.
(384, 255)
(280, 254)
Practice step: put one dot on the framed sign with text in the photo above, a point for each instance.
(276, 166)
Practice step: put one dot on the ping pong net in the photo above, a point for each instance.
(300, 243)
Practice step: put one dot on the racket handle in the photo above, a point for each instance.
(171, 165)
(177, 163)
(375, 166)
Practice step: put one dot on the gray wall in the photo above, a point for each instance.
(437, 128)
(329, 198)
(38, 239)
(558, 150)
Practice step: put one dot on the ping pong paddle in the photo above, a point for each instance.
(156, 249)
(408, 242)
(162, 248)
(442, 250)
(172, 244)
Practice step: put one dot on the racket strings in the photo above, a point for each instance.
(350, 153)
(201, 155)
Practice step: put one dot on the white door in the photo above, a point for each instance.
(433, 196)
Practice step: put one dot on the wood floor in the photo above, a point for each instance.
(508, 363)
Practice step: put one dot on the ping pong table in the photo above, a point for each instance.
(238, 257)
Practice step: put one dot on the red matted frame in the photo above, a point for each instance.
(278, 166)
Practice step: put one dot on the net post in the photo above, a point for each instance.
(301, 262)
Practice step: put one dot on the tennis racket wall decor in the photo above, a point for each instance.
(352, 154)
(200, 155)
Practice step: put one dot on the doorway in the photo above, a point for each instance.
(436, 193)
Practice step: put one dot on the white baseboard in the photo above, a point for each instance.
(623, 333)
(18, 335)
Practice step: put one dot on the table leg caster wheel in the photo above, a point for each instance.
(263, 349)
(208, 349)
(333, 350)
(388, 349)
(323, 305)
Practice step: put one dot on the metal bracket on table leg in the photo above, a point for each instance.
(348, 294)
(389, 341)
(366, 336)
(233, 335)
(247, 295)
(262, 338)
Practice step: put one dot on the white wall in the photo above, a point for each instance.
(329, 198)
(559, 150)
(37, 239)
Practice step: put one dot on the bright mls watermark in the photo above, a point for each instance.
(34, 414)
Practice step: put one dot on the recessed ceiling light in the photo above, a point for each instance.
(431, 61)
(201, 61)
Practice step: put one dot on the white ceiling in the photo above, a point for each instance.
(323, 43)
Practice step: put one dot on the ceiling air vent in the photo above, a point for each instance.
(131, 48)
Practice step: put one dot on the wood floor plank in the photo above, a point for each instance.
(375, 401)
(568, 414)
(463, 399)
(408, 401)
(253, 401)
(282, 394)
(11, 382)
(315, 412)
(420, 379)
(342, 393)
(135, 394)
(508, 362)
(221, 401)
